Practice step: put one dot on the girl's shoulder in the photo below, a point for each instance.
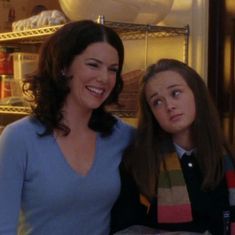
(229, 163)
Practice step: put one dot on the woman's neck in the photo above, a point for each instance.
(77, 120)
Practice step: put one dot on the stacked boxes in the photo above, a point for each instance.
(14, 67)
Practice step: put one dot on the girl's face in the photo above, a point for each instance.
(94, 76)
(172, 103)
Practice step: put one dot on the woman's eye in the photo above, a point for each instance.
(115, 70)
(93, 65)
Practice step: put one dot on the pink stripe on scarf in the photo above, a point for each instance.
(232, 227)
(174, 214)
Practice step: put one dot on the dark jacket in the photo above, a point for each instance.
(127, 210)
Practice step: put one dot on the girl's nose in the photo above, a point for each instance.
(170, 104)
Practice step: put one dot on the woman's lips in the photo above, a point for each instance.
(95, 90)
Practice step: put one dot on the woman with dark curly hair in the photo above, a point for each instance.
(59, 166)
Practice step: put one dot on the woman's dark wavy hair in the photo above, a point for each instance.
(152, 142)
(49, 87)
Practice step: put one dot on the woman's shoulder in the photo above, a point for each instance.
(122, 127)
(23, 125)
(122, 133)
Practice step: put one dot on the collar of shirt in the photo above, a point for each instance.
(180, 151)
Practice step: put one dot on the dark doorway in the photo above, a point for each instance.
(221, 62)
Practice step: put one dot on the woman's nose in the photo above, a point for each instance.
(103, 76)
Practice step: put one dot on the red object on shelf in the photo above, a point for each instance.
(6, 60)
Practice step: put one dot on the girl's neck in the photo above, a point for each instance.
(184, 140)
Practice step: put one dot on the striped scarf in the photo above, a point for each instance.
(173, 200)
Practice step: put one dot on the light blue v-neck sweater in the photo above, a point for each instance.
(56, 200)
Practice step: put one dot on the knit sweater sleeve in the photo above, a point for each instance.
(12, 165)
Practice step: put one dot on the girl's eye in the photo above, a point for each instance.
(157, 102)
(176, 93)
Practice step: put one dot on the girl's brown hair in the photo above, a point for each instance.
(152, 142)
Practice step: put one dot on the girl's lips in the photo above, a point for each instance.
(176, 117)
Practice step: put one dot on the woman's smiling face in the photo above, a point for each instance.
(94, 76)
